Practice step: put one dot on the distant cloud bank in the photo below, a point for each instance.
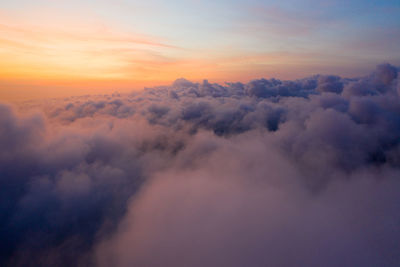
(268, 173)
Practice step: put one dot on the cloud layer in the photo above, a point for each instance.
(269, 173)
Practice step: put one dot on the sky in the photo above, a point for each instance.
(199, 133)
(51, 48)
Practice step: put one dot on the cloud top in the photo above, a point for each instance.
(199, 174)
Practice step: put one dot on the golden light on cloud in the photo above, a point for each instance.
(101, 53)
(82, 57)
(37, 52)
(59, 56)
(75, 57)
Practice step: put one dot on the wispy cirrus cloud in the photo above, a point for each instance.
(54, 52)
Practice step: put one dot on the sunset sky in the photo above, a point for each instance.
(200, 133)
(50, 48)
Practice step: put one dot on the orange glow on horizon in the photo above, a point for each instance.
(49, 60)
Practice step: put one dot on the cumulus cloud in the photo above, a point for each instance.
(271, 172)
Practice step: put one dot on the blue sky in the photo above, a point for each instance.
(137, 43)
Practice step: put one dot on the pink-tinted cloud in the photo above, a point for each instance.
(269, 172)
